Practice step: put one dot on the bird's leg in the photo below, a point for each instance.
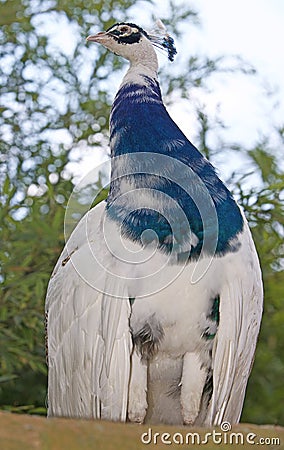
(193, 380)
(137, 400)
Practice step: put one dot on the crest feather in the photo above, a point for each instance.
(161, 39)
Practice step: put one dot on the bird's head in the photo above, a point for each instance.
(133, 43)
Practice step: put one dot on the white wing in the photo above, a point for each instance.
(234, 345)
(89, 342)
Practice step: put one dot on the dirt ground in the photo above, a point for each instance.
(24, 432)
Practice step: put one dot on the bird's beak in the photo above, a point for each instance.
(99, 37)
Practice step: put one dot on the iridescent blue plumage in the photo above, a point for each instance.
(140, 123)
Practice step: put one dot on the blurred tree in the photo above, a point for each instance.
(50, 105)
(55, 97)
(264, 207)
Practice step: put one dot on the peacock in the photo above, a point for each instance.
(154, 306)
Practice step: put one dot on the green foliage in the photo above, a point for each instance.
(29, 249)
(55, 98)
(264, 208)
(47, 108)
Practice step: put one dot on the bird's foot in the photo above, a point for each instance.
(137, 407)
(189, 415)
(192, 386)
(136, 416)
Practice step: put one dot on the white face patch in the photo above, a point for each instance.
(123, 30)
(126, 30)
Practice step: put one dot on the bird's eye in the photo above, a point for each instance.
(125, 30)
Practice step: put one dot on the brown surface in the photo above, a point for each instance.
(23, 432)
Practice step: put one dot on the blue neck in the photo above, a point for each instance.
(140, 124)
